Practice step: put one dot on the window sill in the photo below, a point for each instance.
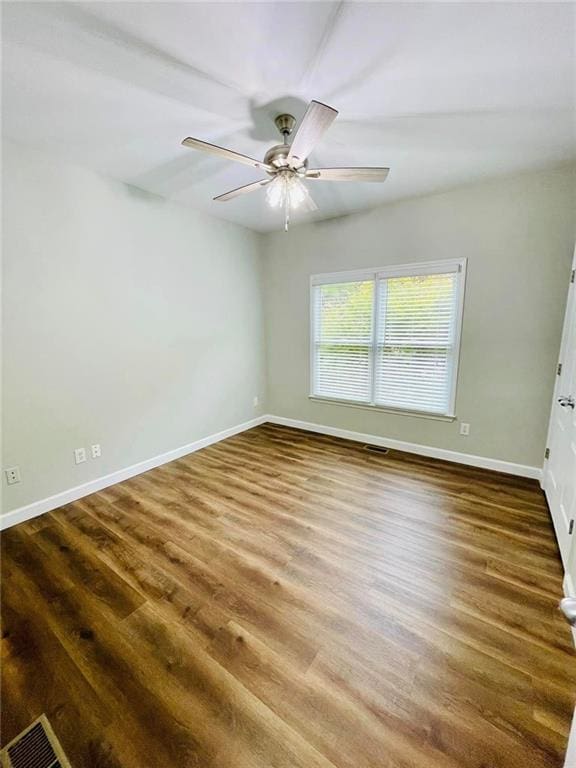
(384, 409)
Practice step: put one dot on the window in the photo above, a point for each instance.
(389, 338)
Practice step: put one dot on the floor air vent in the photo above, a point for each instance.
(376, 449)
(36, 747)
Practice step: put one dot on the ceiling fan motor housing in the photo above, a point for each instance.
(277, 157)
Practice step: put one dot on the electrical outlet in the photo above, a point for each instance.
(95, 450)
(12, 475)
(256, 401)
(464, 429)
(79, 455)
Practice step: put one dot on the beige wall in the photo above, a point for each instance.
(129, 321)
(137, 323)
(518, 235)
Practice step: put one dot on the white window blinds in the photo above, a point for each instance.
(389, 338)
(343, 340)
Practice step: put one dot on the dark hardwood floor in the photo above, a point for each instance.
(288, 600)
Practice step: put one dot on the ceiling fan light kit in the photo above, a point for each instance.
(287, 164)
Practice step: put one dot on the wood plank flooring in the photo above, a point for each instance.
(289, 600)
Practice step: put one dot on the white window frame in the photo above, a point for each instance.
(398, 270)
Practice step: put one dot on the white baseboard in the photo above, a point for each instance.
(73, 494)
(570, 591)
(484, 462)
(570, 759)
(21, 514)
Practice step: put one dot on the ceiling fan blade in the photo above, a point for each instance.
(318, 118)
(242, 190)
(229, 154)
(348, 174)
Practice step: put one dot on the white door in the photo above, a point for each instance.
(559, 480)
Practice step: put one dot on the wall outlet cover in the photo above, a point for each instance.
(79, 455)
(96, 450)
(464, 428)
(12, 475)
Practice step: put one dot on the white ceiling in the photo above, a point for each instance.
(444, 94)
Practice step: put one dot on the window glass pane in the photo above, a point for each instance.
(343, 340)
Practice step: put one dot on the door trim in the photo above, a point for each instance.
(570, 296)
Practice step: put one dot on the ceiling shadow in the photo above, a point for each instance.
(263, 128)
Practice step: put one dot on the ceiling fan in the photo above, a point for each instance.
(287, 164)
